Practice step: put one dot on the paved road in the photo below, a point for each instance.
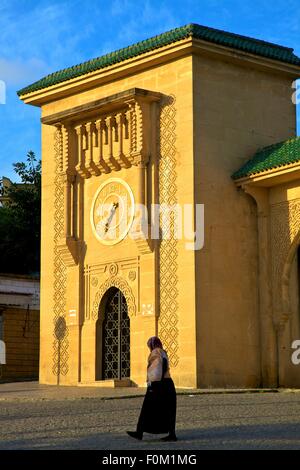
(231, 421)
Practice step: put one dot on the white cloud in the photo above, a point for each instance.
(143, 20)
(18, 72)
(119, 6)
(42, 31)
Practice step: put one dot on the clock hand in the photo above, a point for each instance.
(112, 211)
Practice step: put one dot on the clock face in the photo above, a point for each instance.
(112, 211)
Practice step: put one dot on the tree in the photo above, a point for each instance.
(20, 220)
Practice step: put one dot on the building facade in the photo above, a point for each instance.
(19, 327)
(165, 123)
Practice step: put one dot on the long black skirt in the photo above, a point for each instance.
(158, 413)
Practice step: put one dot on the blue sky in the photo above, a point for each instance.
(42, 36)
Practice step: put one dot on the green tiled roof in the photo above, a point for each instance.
(216, 36)
(273, 156)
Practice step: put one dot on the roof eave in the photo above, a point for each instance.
(247, 59)
(155, 57)
(110, 73)
(272, 177)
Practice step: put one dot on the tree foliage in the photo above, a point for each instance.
(20, 220)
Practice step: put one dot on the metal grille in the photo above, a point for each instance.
(116, 338)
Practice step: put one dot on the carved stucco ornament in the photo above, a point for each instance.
(119, 283)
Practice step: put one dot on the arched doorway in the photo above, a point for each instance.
(288, 373)
(113, 337)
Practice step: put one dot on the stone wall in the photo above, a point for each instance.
(21, 337)
(236, 111)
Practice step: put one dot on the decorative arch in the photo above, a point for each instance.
(285, 281)
(285, 240)
(119, 283)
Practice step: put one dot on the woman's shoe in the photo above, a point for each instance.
(169, 438)
(135, 435)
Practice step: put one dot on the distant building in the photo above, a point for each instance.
(19, 326)
(5, 184)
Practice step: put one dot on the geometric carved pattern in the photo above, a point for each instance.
(116, 338)
(120, 284)
(168, 252)
(285, 227)
(60, 331)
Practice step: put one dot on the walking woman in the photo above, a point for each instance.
(158, 413)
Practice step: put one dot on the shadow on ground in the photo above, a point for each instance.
(269, 436)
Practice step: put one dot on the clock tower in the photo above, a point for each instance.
(164, 124)
(106, 165)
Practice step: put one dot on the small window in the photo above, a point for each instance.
(1, 327)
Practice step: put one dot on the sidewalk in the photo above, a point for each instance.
(32, 391)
